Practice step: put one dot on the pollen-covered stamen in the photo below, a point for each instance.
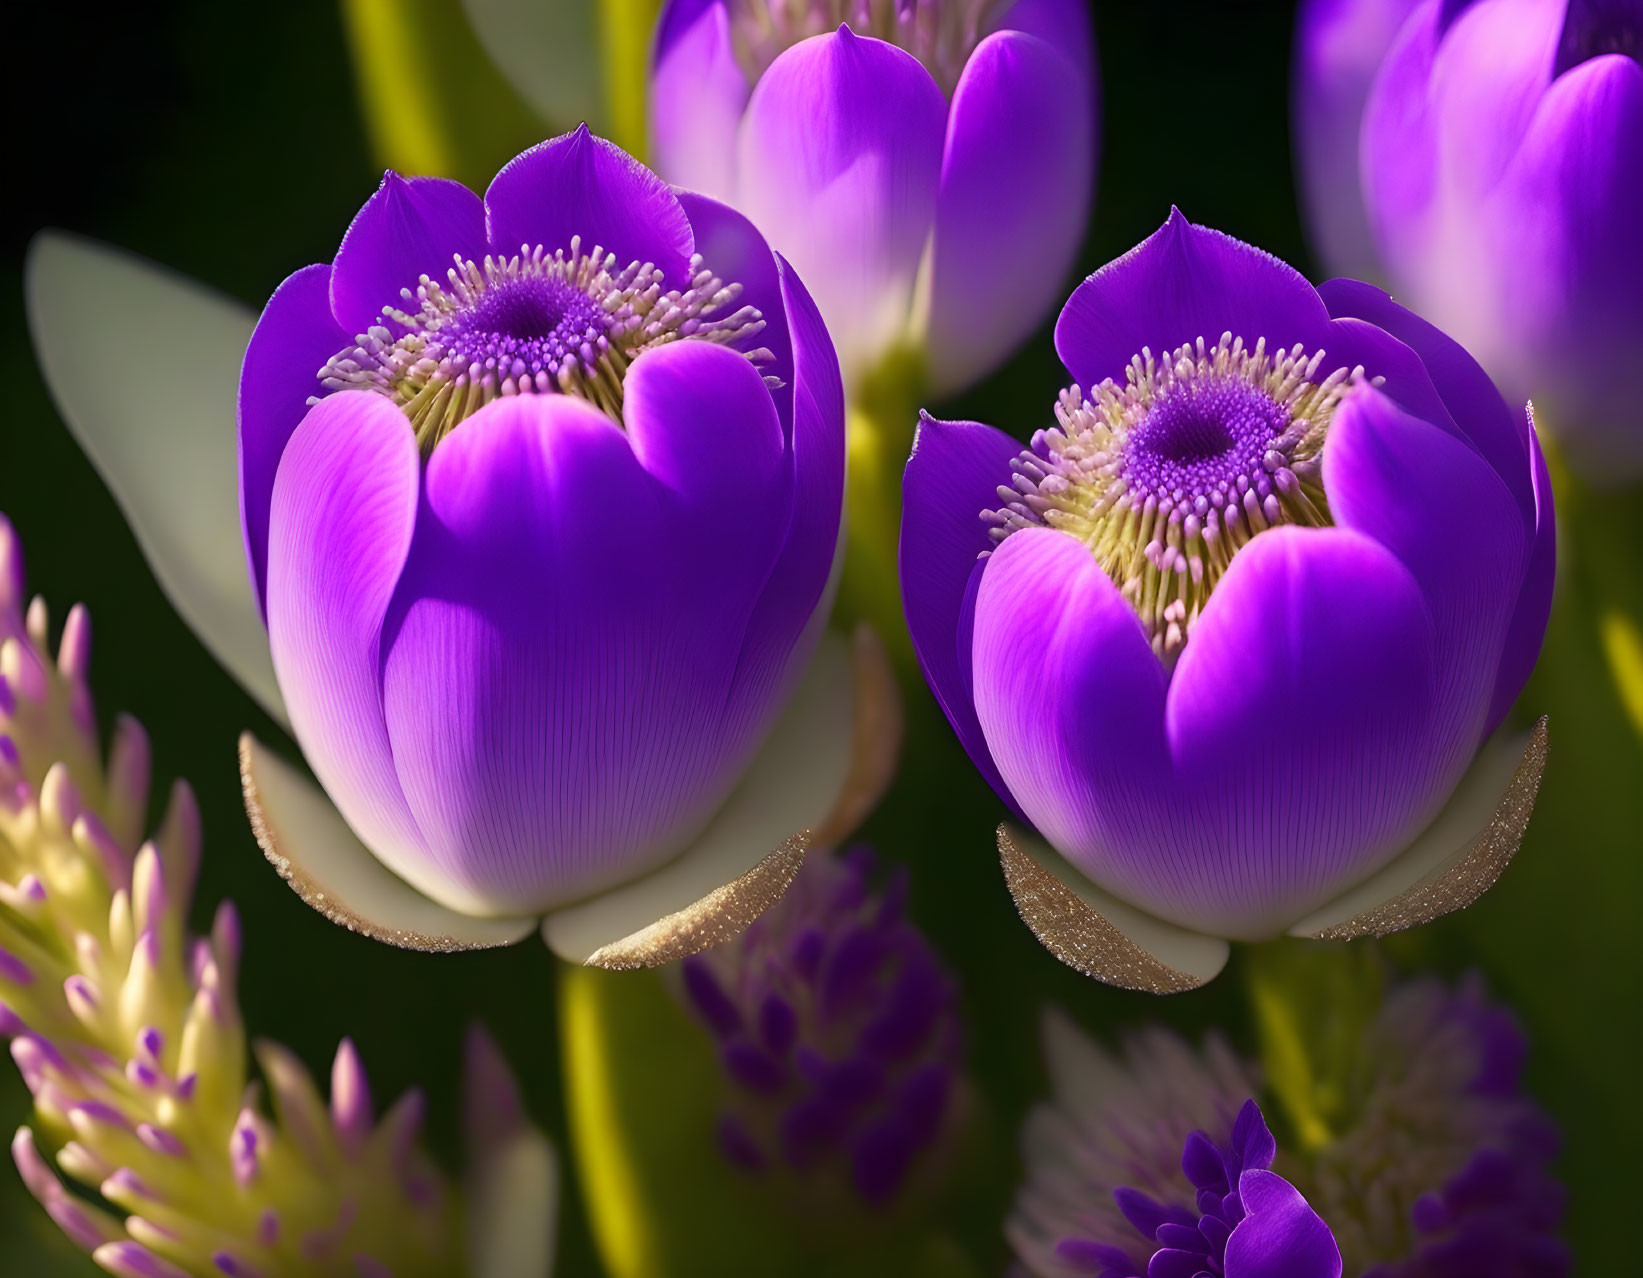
(564, 322)
(939, 33)
(1167, 476)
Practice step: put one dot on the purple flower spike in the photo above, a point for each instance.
(1486, 159)
(1211, 633)
(838, 1028)
(865, 138)
(486, 460)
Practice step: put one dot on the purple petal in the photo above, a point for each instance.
(1527, 630)
(1450, 519)
(1299, 722)
(343, 510)
(840, 162)
(1280, 1236)
(1062, 23)
(579, 184)
(1019, 170)
(1168, 1262)
(1252, 1141)
(561, 648)
(1069, 696)
(295, 337)
(697, 94)
(954, 474)
(781, 633)
(410, 227)
(1339, 46)
(1147, 1214)
(1181, 283)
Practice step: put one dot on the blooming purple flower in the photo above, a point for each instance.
(837, 1025)
(928, 166)
(1500, 149)
(1235, 634)
(484, 511)
(1238, 1219)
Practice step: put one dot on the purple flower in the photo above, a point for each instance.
(1237, 1218)
(1236, 633)
(928, 167)
(485, 511)
(1501, 156)
(837, 1025)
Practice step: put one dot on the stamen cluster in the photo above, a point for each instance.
(568, 322)
(939, 33)
(1167, 476)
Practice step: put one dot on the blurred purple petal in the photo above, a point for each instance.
(697, 94)
(1280, 1236)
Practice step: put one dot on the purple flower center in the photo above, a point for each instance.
(1592, 28)
(1167, 476)
(939, 33)
(538, 323)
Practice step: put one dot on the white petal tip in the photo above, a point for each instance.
(1457, 859)
(306, 839)
(1098, 935)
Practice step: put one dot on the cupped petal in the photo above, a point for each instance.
(1069, 695)
(953, 474)
(548, 50)
(512, 1174)
(562, 647)
(1450, 519)
(1527, 630)
(698, 92)
(1300, 727)
(1017, 180)
(1280, 1235)
(580, 184)
(782, 632)
(308, 842)
(343, 513)
(295, 336)
(410, 227)
(1473, 401)
(753, 845)
(1181, 283)
(1339, 46)
(156, 419)
(1454, 860)
(839, 163)
(732, 248)
(1095, 933)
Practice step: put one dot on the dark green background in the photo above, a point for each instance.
(224, 141)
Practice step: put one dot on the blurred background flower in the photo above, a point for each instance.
(128, 1033)
(1500, 149)
(1104, 616)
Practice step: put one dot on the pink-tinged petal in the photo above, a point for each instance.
(1176, 286)
(697, 94)
(954, 474)
(1017, 180)
(295, 337)
(782, 633)
(579, 184)
(1473, 402)
(732, 248)
(343, 512)
(1438, 506)
(839, 164)
(1070, 698)
(1299, 722)
(1339, 47)
(410, 227)
(1280, 1236)
(1527, 630)
(562, 646)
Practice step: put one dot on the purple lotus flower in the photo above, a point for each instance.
(928, 167)
(838, 1028)
(485, 511)
(1500, 149)
(1238, 1218)
(1236, 633)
